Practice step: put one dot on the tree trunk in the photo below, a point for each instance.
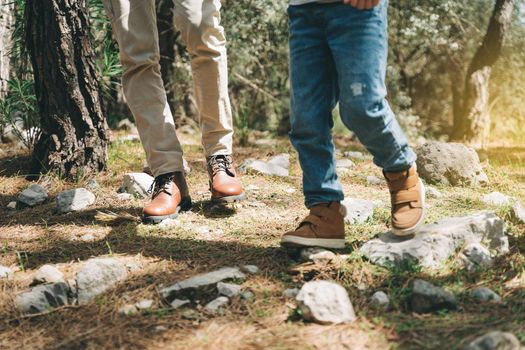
(73, 141)
(6, 30)
(472, 126)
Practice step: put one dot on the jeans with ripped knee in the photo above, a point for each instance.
(338, 54)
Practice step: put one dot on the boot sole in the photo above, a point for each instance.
(230, 199)
(411, 230)
(155, 220)
(331, 243)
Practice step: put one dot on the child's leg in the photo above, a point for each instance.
(313, 97)
(359, 44)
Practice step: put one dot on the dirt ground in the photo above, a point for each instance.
(211, 236)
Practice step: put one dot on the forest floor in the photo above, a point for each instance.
(210, 237)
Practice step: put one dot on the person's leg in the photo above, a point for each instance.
(359, 43)
(134, 26)
(313, 97)
(199, 23)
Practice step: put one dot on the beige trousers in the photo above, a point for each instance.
(134, 25)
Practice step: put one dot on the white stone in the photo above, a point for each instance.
(144, 304)
(449, 164)
(358, 211)
(124, 196)
(374, 180)
(6, 273)
(275, 166)
(290, 190)
(495, 340)
(344, 164)
(204, 280)
(432, 192)
(176, 303)
(291, 293)
(74, 200)
(229, 290)
(317, 255)
(355, 155)
(435, 243)
(215, 306)
(43, 298)
(11, 206)
(88, 237)
(137, 184)
(380, 299)
(250, 269)
(33, 196)
(517, 214)
(325, 303)
(48, 274)
(477, 255)
(485, 294)
(97, 276)
(497, 199)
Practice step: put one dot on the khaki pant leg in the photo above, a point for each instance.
(134, 25)
(199, 23)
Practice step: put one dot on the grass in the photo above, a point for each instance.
(209, 237)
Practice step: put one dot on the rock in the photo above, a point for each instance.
(250, 269)
(125, 124)
(318, 256)
(485, 294)
(74, 200)
(358, 211)
(380, 299)
(435, 243)
(48, 274)
(176, 303)
(88, 237)
(290, 190)
(325, 303)
(475, 254)
(517, 214)
(127, 310)
(344, 164)
(248, 295)
(11, 206)
(124, 196)
(428, 298)
(432, 192)
(137, 184)
(32, 196)
(215, 306)
(43, 298)
(355, 155)
(495, 340)
(133, 266)
(6, 273)
(92, 185)
(374, 180)
(449, 164)
(229, 290)
(186, 166)
(496, 199)
(97, 276)
(275, 166)
(291, 293)
(144, 304)
(203, 281)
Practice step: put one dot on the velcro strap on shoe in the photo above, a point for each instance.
(312, 219)
(403, 184)
(405, 196)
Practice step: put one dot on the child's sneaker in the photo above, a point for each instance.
(324, 227)
(407, 193)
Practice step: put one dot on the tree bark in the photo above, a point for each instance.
(73, 141)
(6, 30)
(472, 126)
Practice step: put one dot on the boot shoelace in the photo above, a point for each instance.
(220, 163)
(160, 184)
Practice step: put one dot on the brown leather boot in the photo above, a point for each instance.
(407, 193)
(324, 227)
(225, 185)
(170, 196)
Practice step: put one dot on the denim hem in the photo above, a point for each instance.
(318, 200)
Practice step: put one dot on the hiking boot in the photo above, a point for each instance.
(169, 197)
(324, 227)
(407, 194)
(225, 185)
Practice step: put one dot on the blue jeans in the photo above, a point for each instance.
(338, 54)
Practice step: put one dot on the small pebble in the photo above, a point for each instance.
(11, 206)
(144, 304)
(178, 303)
(291, 293)
(381, 299)
(251, 269)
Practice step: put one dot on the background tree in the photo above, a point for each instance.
(73, 140)
(6, 28)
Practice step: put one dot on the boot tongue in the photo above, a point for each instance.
(397, 175)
